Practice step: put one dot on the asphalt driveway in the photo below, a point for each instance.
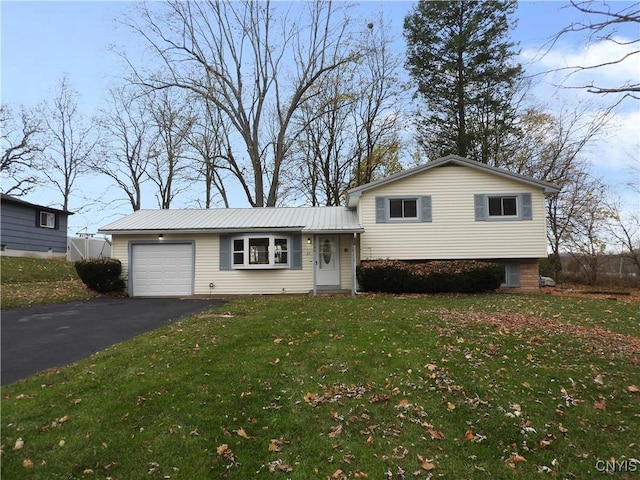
(37, 338)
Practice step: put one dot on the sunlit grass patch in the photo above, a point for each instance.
(28, 281)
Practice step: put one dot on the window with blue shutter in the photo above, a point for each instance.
(225, 252)
(479, 204)
(527, 209)
(260, 251)
(381, 210)
(403, 209)
(500, 206)
(425, 203)
(296, 252)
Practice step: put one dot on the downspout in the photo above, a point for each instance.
(313, 263)
(353, 264)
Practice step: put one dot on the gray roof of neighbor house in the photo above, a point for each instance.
(304, 219)
(354, 194)
(18, 201)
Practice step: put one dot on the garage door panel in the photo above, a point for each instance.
(162, 269)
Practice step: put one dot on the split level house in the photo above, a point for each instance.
(448, 209)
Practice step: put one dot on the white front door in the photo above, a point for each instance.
(327, 262)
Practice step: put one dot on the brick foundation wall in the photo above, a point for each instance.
(529, 277)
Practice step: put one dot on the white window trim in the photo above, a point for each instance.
(271, 252)
(50, 220)
(517, 216)
(416, 219)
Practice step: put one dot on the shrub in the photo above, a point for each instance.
(101, 274)
(465, 276)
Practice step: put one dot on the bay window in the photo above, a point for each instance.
(260, 251)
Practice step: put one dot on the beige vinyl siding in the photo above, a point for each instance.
(268, 281)
(345, 262)
(453, 232)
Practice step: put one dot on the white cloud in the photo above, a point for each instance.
(566, 63)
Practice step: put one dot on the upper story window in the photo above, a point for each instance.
(499, 207)
(503, 206)
(260, 251)
(403, 208)
(47, 220)
(393, 209)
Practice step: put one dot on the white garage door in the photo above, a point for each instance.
(162, 269)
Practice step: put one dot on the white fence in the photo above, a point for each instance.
(81, 248)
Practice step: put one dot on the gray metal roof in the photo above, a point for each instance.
(306, 219)
(354, 194)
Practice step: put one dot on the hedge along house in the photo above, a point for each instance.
(448, 209)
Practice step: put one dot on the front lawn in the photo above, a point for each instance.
(379, 387)
(29, 281)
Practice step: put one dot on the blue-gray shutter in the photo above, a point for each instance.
(425, 205)
(527, 209)
(225, 252)
(296, 252)
(479, 204)
(381, 209)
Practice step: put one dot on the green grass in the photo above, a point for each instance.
(28, 281)
(461, 387)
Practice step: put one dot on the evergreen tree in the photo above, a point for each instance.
(460, 56)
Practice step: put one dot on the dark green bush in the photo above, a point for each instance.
(101, 274)
(465, 276)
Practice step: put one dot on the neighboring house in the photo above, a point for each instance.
(451, 208)
(30, 229)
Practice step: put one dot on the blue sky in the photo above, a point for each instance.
(41, 41)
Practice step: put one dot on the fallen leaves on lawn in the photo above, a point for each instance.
(242, 433)
(633, 389)
(335, 431)
(59, 421)
(515, 458)
(224, 451)
(19, 444)
(275, 445)
(279, 466)
(425, 464)
(600, 404)
(600, 339)
(547, 440)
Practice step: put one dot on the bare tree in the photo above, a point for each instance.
(213, 153)
(21, 146)
(380, 105)
(71, 140)
(172, 120)
(324, 150)
(587, 234)
(625, 227)
(127, 144)
(349, 128)
(601, 24)
(237, 55)
(552, 148)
